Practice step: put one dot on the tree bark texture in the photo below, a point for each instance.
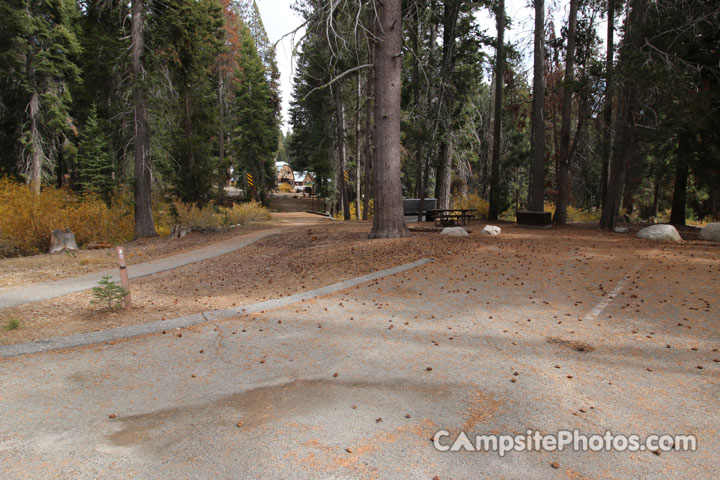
(388, 221)
(342, 160)
(677, 214)
(628, 109)
(144, 226)
(494, 208)
(563, 173)
(609, 95)
(536, 192)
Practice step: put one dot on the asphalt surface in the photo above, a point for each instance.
(353, 385)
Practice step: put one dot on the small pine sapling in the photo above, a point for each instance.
(109, 292)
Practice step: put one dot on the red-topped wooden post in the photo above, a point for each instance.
(124, 275)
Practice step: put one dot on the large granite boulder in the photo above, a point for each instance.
(491, 230)
(665, 233)
(454, 232)
(711, 232)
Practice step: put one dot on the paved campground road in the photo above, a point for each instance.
(353, 384)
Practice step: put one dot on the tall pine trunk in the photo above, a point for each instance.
(368, 148)
(628, 109)
(144, 226)
(443, 178)
(563, 173)
(432, 42)
(608, 107)
(494, 209)
(35, 141)
(618, 167)
(536, 192)
(358, 132)
(677, 214)
(388, 221)
(416, 98)
(342, 161)
(444, 173)
(222, 171)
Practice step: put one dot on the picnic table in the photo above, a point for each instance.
(451, 216)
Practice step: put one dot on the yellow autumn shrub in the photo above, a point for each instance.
(576, 215)
(210, 217)
(197, 217)
(27, 220)
(244, 213)
(472, 201)
(353, 211)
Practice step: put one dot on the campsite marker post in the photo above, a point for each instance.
(124, 275)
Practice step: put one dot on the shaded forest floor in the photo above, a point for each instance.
(562, 262)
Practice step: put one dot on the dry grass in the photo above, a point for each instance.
(211, 217)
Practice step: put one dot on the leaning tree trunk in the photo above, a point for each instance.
(388, 221)
(563, 173)
(536, 193)
(493, 210)
(677, 214)
(144, 226)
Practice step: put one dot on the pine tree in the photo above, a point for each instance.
(191, 34)
(94, 164)
(38, 53)
(256, 133)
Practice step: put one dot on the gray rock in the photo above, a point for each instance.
(621, 229)
(454, 232)
(491, 230)
(711, 232)
(666, 233)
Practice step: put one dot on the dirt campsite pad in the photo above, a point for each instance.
(541, 330)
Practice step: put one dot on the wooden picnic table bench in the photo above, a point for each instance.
(452, 216)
